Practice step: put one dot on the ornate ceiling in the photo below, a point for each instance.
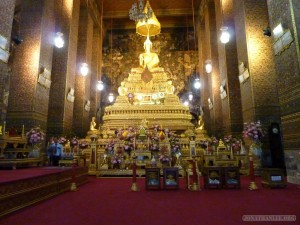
(170, 13)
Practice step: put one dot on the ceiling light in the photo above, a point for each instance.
(84, 69)
(208, 66)
(111, 97)
(100, 85)
(59, 40)
(197, 83)
(225, 36)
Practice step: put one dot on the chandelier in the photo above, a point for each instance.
(145, 19)
(137, 13)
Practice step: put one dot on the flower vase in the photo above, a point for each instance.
(35, 151)
(256, 152)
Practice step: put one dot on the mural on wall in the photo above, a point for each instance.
(175, 48)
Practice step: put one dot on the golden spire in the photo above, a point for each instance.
(148, 27)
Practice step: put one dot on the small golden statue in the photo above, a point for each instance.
(93, 124)
(122, 90)
(143, 127)
(200, 123)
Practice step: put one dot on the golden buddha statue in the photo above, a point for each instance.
(93, 124)
(147, 95)
(148, 59)
(122, 90)
(200, 123)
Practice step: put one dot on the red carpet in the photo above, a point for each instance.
(25, 173)
(109, 201)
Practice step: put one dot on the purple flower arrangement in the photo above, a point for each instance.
(110, 147)
(164, 156)
(236, 144)
(116, 159)
(175, 144)
(254, 131)
(83, 144)
(214, 141)
(35, 135)
(228, 139)
(62, 140)
(74, 141)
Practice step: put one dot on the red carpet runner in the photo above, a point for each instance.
(109, 201)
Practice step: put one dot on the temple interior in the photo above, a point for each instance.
(204, 80)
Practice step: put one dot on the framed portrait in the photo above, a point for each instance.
(4, 55)
(213, 177)
(41, 80)
(287, 38)
(246, 74)
(231, 177)
(152, 178)
(3, 42)
(278, 46)
(170, 179)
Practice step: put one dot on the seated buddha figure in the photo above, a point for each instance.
(148, 59)
(122, 90)
(200, 123)
(93, 123)
(170, 88)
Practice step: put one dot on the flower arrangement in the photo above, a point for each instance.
(228, 140)
(254, 131)
(116, 159)
(62, 140)
(214, 141)
(74, 141)
(83, 144)
(164, 156)
(175, 144)
(110, 147)
(35, 135)
(236, 144)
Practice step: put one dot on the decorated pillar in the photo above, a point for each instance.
(287, 63)
(211, 91)
(64, 69)
(6, 25)
(82, 103)
(95, 74)
(257, 74)
(31, 66)
(229, 88)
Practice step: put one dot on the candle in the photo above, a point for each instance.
(4, 124)
(23, 130)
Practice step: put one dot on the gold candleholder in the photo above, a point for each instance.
(73, 186)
